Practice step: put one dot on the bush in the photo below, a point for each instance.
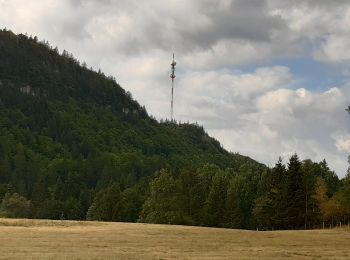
(14, 206)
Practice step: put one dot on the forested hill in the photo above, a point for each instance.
(69, 129)
(75, 145)
(48, 95)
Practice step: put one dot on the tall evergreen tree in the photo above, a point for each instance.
(294, 214)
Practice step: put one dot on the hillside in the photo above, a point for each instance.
(70, 130)
(88, 112)
(92, 240)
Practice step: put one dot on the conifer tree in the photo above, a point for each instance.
(294, 196)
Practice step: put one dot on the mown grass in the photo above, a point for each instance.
(44, 239)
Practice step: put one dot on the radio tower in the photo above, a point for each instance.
(172, 76)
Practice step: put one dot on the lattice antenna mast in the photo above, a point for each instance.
(172, 76)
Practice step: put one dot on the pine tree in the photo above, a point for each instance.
(294, 214)
(276, 194)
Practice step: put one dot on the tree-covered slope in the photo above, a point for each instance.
(67, 129)
(87, 112)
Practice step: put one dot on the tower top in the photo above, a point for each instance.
(173, 65)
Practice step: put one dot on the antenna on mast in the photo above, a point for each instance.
(172, 76)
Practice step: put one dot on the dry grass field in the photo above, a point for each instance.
(41, 239)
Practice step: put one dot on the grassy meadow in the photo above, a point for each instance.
(34, 239)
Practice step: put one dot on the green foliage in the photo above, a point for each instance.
(297, 197)
(294, 195)
(106, 205)
(214, 209)
(112, 204)
(263, 212)
(165, 203)
(233, 216)
(14, 206)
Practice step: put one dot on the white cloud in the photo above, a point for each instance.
(343, 144)
(334, 49)
(257, 114)
(324, 25)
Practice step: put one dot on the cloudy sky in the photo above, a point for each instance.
(266, 78)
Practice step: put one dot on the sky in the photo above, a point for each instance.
(267, 78)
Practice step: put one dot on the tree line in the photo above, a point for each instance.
(299, 195)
